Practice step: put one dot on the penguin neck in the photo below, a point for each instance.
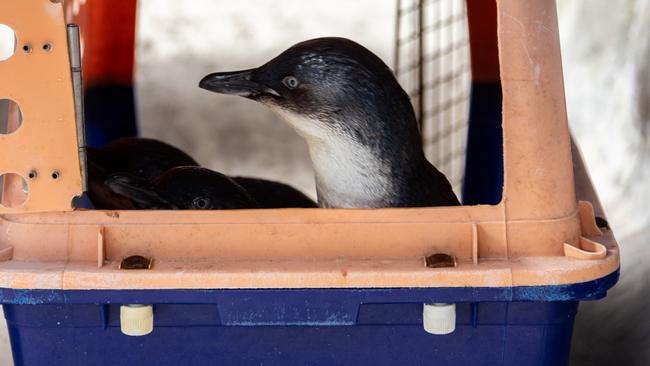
(349, 174)
(361, 168)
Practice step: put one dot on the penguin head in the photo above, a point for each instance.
(326, 87)
(142, 157)
(185, 188)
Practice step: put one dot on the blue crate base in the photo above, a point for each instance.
(385, 334)
(495, 326)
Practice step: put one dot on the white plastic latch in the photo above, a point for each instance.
(136, 319)
(439, 318)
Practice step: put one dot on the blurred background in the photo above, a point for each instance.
(605, 46)
(606, 57)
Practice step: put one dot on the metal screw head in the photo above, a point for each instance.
(440, 260)
(136, 262)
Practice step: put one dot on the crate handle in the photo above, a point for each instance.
(587, 249)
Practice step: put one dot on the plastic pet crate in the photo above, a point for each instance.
(298, 286)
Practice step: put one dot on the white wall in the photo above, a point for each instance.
(606, 51)
(7, 42)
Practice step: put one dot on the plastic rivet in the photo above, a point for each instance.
(439, 319)
(136, 320)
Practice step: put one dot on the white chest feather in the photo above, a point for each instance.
(347, 173)
(349, 176)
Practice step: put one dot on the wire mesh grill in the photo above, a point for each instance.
(432, 62)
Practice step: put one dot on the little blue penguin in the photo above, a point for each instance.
(137, 157)
(183, 188)
(271, 194)
(358, 122)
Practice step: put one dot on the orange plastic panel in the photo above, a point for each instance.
(538, 169)
(39, 81)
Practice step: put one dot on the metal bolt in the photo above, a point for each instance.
(440, 260)
(136, 262)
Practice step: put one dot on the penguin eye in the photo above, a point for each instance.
(290, 82)
(201, 203)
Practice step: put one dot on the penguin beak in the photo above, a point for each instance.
(138, 190)
(236, 83)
